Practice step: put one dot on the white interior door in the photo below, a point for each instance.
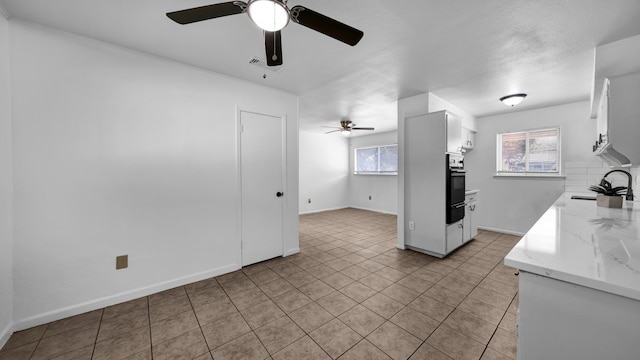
(262, 159)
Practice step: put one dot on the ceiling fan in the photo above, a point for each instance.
(345, 127)
(271, 16)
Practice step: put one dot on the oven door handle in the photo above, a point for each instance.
(458, 206)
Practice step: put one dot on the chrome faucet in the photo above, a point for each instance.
(629, 189)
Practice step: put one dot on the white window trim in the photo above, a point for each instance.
(355, 162)
(529, 174)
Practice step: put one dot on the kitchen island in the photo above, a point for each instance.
(580, 282)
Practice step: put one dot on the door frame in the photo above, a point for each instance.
(283, 161)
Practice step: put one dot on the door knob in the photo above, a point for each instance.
(279, 194)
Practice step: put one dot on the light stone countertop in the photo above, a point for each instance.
(580, 243)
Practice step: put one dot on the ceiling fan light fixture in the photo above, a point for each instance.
(513, 100)
(269, 15)
(345, 132)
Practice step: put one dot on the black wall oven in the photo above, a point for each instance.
(455, 188)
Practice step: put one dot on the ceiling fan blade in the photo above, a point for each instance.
(326, 25)
(362, 128)
(273, 47)
(332, 131)
(207, 12)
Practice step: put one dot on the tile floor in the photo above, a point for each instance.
(348, 294)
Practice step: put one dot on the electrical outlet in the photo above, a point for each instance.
(309, 201)
(122, 262)
(369, 197)
(412, 225)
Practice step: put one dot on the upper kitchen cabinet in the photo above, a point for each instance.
(617, 121)
(454, 133)
(468, 139)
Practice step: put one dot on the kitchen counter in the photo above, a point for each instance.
(577, 242)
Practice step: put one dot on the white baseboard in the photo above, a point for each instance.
(322, 210)
(291, 252)
(119, 298)
(374, 210)
(508, 232)
(5, 334)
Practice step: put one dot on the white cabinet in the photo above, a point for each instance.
(455, 233)
(468, 139)
(454, 133)
(469, 222)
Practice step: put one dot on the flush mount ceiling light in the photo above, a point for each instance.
(269, 15)
(513, 100)
(345, 132)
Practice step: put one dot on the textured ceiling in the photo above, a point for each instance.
(468, 52)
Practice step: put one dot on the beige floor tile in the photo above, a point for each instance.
(264, 276)
(445, 295)
(415, 322)
(213, 311)
(254, 268)
(400, 293)
(491, 298)
(504, 342)
(428, 352)
(169, 307)
(125, 307)
(394, 341)
(157, 298)
(300, 279)
(310, 317)
(304, 348)
(21, 352)
(490, 354)
(426, 274)
(471, 326)
(187, 346)
(431, 307)
(232, 276)
(376, 282)
(291, 301)
(454, 344)
(415, 283)
(364, 350)
(355, 272)
(370, 265)
(321, 271)
(362, 320)
(390, 274)
(84, 353)
(203, 295)
(358, 291)
(508, 322)
(173, 326)
(335, 337)
(336, 303)
(499, 287)
(337, 280)
(279, 334)
(316, 289)
(239, 285)
(246, 347)
(456, 285)
(74, 322)
(276, 287)
(24, 337)
(286, 268)
(124, 345)
(224, 330)
(481, 310)
(248, 298)
(123, 323)
(338, 264)
(65, 342)
(261, 314)
(383, 305)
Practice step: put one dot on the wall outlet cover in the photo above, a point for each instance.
(122, 262)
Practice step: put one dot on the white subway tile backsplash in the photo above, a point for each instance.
(579, 175)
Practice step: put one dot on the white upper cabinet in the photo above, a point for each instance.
(468, 139)
(454, 133)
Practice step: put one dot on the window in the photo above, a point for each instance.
(379, 160)
(534, 151)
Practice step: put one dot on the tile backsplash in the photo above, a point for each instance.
(580, 175)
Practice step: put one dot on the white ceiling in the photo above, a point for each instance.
(468, 52)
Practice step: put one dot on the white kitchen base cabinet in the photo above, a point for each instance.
(559, 320)
(469, 222)
(455, 233)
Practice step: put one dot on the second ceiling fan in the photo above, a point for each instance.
(345, 127)
(272, 16)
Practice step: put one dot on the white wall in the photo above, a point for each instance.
(383, 189)
(514, 204)
(117, 152)
(324, 172)
(6, 175)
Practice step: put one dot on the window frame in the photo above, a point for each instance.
(378, 172)
(527, 172)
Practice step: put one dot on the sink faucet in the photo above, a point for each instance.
(629, 189)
